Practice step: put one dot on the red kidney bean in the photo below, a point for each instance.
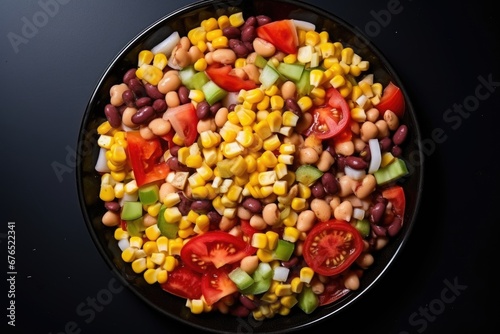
(248, 303)
(214, 217)
(385, 144)
(379, 230)
(366, 154)
(248, 33)
(231, 32)
(112, 115)
(137, 87)
(215, 108)
(330, 183)
(143, 102)
(395, 227)
(183, 93)
(356, 162)
(249, 22)
(400, 134)
(249, 46)
(159, 105)
(174, 164)
(201, 206)
(293, 106)
(317, 190)
(290, 263)
(122, 108)
(253, 205)
(174, 150)
(128, 97)
(203, 110)
(240, 311)
(340, 159)
(143, 115)
(262, 19)
(238, 47)
(185, 204)
(112, 206)
(396, 151)
(376, 212)
(130, 74)
(231, 107)
(153, 92)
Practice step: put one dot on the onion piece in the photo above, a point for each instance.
(102, 163)
(167, 45)
(304, 25)
(376, 156)
(358, 214)
(355, 174)
(280, 274)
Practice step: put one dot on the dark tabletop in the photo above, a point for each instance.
(52, 53)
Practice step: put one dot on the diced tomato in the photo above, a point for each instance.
(392, 99)
(331, 247)
(216, 284)
(221, 75)
(184, 121)
(396, 196)
(331, 119)
(282, 34)
(334, 290)
(145, 158)
(214, 249)
(183, 282)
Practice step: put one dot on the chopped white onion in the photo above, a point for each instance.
(304, 25)
(102, 163)
(280, 274)
(123, 244)
(355, 174)
(129, 198)
(376, 156)
(358, 213)
(167, 45)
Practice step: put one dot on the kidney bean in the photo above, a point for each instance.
(356, 162)
(238, 47)
(231, 107)
(183, 93)
(201, 206)
(385, 144)
(143, 115)
(174, 164)
(112, 206)
(203, 110)
(231, 32)
(240, 311)
(214, 217)
(112, 115)
(185, 204)
(293, 106)
(137, 87)
(159, 105)
(396, 151)
(253, 205)
(174, 150)
(249, 46)
(248, 33)
(153, 92)
(251, 21)
(379, 231)
(262, 19)
(365, 153)
(130, 74)
(122, 108)
(290, 263)
(143, 102)
(400, 135)
(129, 98)
(317, 190)
(215, 108)
(376, 212)
(395, 226)
(330, 183)
(247, 302)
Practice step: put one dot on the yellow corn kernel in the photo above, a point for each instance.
(105, 141)
(272, 90)
(220, 42)
(259, 240)
(387, 158)
(267, 178)
(154, 209)
(289, 119)
(316, 77)
(136, 242)
(345, 90)
(194, 161)
(283, 290)
(377, 89)
(312, 38)
(196, 306)
(329, 61)
(120, 234)
(160, 61)
(264, 255)
(327, 49)
(150, 276)
(291, 234)
(161, 276)
(234, 193)
(178, 140)
(355, 70)
(184, 223)
(196, 180)
(251, 164)
(107, 193)
(199, 192)
(254, 95)
(139, 265)
(269, 297)
(358, 114)
(280, 188)
(172, 215)
(290, 59)
(119, 190)
(149, 263)
(104, 128)
(185, 233)
(158, 258)
(149, 73)
(272, 239)
(211, 191)
(272, 143)
(306, 274)
(162, 244)
(223, 21)
(150, 247)
(304, 191)
(232, 150)
(287, 148)
(364, 65)
(175, 246)
(196, 95)
(305, 54)
(347, 55)
(145, 57)
(200, 65)
(281, 170)
(213, 34)
(170, 263)
(337, 81)
(296, 285)
(245, 116)
(153, 232)
(171, 199)
(202, 221)
(236, 19)
(305, 103)
(128, 254)
(291, 219)
(240, 62)
(274, 120)
(266, 191)
(356, 92)
(277, 102)
(118, 176)
(264, 104)
(299, 204)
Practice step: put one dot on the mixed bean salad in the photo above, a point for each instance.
(252, 166)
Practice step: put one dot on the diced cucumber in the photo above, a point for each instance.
(307, 174)
(308, 301)
(149, 194)
(283, 250)
(268, 76)
(260, 61)
(135, 227)
(391, 172)
(198, 80)
(291, 71)
(186, 74)
(263, 277)
(167, 229)
(263, 271)
(131, 210)
(241, 278)
(213, 92)
(304, 84)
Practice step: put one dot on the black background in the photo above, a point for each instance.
(442, 51)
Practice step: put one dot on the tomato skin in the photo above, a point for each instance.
(282, 34)
(144, 157)
(392, 99)
(335, 236)
(216, 284)
(184, 282)
(396, 196)
(214, 249)
(331, 119)
(334, 290)
(184, 121)
(220, 74)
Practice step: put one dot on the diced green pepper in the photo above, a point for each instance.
(149, 194)
(307, 174)
(283, 250)
(308, 301)
(131, 210)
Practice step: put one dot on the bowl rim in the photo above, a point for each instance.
(348, 300)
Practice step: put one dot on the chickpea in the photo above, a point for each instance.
(288, 90)
(368, 185)
(127, 117)
(368, 131)
(321, 209)
(383, 128)
(391, 119)
(372, 115)
(325, 162)
(249, 263)
(345, 148)
(346, 185)
(315, 143)
(160, 126)
(305, 220)
(334, 202)
(226, 223)
(116, 93)
(258, 222)
(271, 214)
(343, 211)
(221, 117)
(111, 218)
(171, 81)
(172, 99)
(365, 260)
(146, 132)
(308, 155)
(351, 281)
(243, 213)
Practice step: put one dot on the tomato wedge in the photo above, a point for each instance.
(220, 74)
(145, 158)
(331, 119)
(184, 282)
(216, 284)
(214, 249)
(331, 247)
(396, 196)
(392, 99)
(282, 34)
(184, 121)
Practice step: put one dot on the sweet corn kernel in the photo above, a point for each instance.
(200, 192)
(160, 61)
(153, 232)
(200, 65)
(107, 193)
(306, 275)
(272, 239)
(162, 244)
(269, 297)
(283, 290)
(298, 204)
(288, 302)
(267, 178)
(197, 306)
(170, 263)
(158, 258)
(305, 103)
(139, 265)
(213, 34)
(290, 59)
(144, 57)
(185, 233)
(264, 255)
(150, 276)
(172, 215)
(149, 73)
(236, 19)
(316, 77)
(296, 285)
(347, 55)
(161, 276)
(175, 246)
(120, 234)
(304, 191)
(280, 188)
(264, 104)
(291, 234)
(277, 102)
(196, 180)
(232, 150)
(128, 254)
(259, 240)
(104, 128)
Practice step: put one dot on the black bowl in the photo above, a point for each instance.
(88, 180)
